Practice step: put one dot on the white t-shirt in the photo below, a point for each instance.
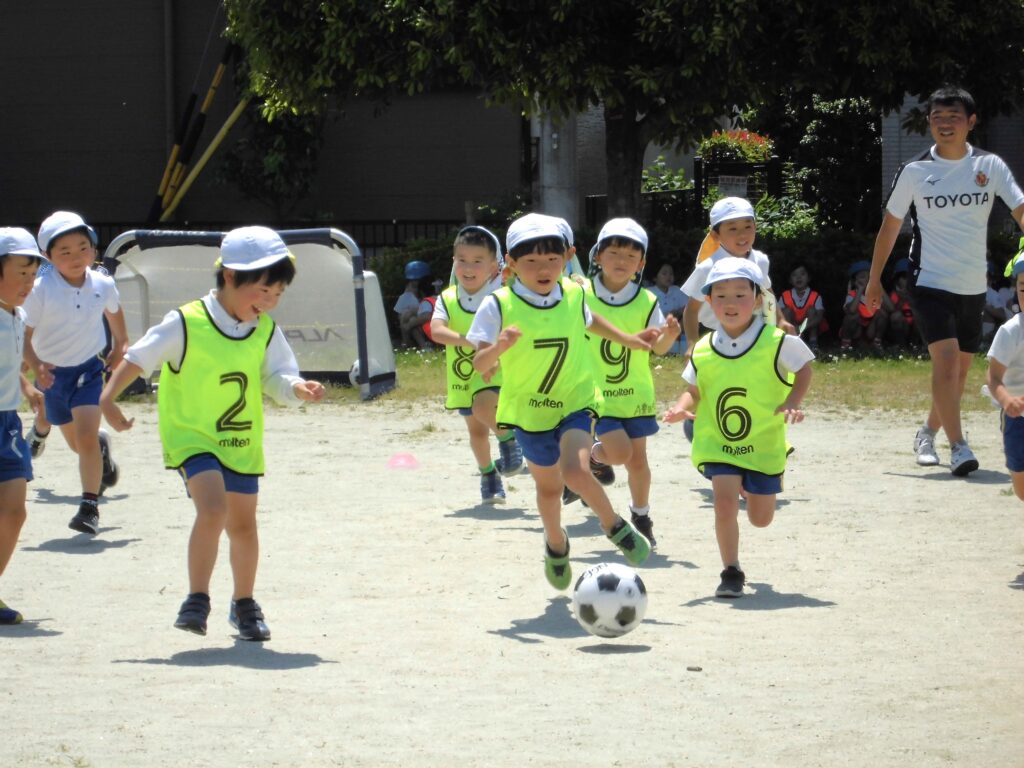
(694, 285)
(657, 318)
(1008, 348)
(793, 356)
(12, 342)
(470, 302)
(949, 202)
(165, 343)
(487, 321)
(406, 302)
(67, 321)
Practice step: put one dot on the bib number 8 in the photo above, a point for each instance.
(733, 420)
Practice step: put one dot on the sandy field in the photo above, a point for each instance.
(412, 627)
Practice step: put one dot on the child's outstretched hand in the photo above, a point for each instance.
(644, 339)
(44, 375)
(508, 337)
(489, 374)
(309, 391)
(115, 418)
(35, 398)
(671, 326)
(791, 411)
(1014, 406)
(678, 413)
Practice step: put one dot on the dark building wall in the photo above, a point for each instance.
(88, 120)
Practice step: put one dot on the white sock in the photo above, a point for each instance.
(642, 511)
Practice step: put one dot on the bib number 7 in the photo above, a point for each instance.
(561, 347)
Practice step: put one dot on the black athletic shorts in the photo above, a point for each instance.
(944, 315)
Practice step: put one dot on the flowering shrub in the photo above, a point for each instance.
(741, 145)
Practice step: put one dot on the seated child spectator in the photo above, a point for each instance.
(859, 321)
(802, 303)
(902, 330)
(998, 304)
(413, 310)
(671, 301)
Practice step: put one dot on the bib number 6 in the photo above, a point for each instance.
(733, 420)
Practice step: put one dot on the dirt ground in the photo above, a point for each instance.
(412, 627)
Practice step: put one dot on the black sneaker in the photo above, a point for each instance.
(605, 474)
(569, 495)
(87, 520)
(110, 470)
(36, 442)
(247, 617)
(645, 525)
(193, 613)
(733, 580)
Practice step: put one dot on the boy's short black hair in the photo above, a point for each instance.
(476, 236)
(37, 260)
(617, 241)
(282, 271)
(539, 245)
(948, 95)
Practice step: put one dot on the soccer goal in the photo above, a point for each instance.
(332, 314)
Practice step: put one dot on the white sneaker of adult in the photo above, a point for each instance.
(924, 447)
(962, 461)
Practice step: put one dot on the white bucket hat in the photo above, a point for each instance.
(15, 241)
(249, 248)
(59, 223)
(730, 268)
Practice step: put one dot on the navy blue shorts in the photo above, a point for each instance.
(15, 457)
(233, 481)
(1013, 441)
(635, 427)
(544, 448)
(753, 482)
(72, 387)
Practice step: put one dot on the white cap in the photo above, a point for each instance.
(730, 268)
(532, 226)
(563, 225)
(729, 208)
(15, 241)
(58, 223)
(248, 248)
(626, 228)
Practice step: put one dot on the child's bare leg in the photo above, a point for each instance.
(575, 466)
(84, 440)
(548, 481)
(244, 542)
(479, 441)
(211, 503)
(639, 473)
(727, 527)
(613, 447)
(1016, 477)
(485, 409)
(12, 517)
(761, 509)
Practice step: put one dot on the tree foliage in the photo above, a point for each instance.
(662, 70)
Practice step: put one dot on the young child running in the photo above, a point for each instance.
(211, 410)
(63, 343)
(19, 262)
(624, 376)
(1006, 382)
(477, 272)
(746, 381)
(536, 327)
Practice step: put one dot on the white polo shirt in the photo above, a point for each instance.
(949, 202)
(487, 321)
(1008, 348)
(67, 321)
(165, 343)
(12, 340)
(793, 355)
(694, 285)
(469, 302)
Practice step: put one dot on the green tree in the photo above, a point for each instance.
(662, 70)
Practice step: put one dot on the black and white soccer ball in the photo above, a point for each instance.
(609, 600)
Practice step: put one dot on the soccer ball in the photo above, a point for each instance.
(609, 599)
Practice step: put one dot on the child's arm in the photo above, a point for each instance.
(486, 357)
(42, 370)
(691, 323)
(685, 407)
(1014, 406)
(667, 335)
(118, 337)
(33, 395)
(606, 330)
(444, 335)
(123, 375)
(791, 406)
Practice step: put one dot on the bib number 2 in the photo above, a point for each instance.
(227, 422)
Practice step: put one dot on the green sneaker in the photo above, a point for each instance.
(557, 570)
(8, 615)
(633, 544)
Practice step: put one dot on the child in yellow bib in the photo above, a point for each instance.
(477, 273)
(624, 375)
(219, 355)
(536, 327)
(746, 382)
